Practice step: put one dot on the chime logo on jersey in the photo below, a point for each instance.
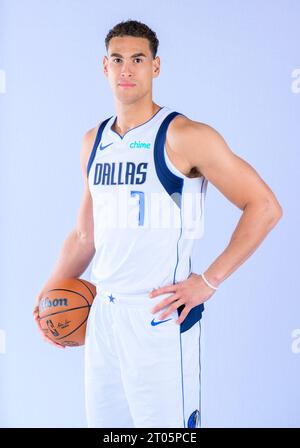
(120, 173)
(139, 145)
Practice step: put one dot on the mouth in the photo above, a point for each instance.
(126, 84)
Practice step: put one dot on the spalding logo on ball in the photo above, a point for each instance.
(65, 309)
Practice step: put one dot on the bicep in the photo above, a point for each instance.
(235, 178)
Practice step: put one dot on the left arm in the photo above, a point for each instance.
(241, 184)
(237, 180)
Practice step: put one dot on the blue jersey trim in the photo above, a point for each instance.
(174, 276)
(96, 144)
(171, 183)
(193, 316)
(121, 137)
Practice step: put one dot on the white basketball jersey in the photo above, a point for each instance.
(147, 214)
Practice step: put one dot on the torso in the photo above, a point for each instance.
(137, 202)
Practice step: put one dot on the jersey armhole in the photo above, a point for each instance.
(172, 168)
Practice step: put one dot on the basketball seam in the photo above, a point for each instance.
(70, 290)
(83, 282)
(65, 311)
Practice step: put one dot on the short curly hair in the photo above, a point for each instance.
(135, 29)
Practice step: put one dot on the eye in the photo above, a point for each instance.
(140, 59)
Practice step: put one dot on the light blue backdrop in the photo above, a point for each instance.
(234, 65)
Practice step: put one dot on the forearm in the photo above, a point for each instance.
(75, 256)
(254, 225)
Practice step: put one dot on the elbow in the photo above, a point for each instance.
(270, 209)
(279, 213)
(84, 237)
(275, 213)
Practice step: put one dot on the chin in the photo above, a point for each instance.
(127, 99)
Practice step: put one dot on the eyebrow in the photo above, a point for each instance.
(133, 56)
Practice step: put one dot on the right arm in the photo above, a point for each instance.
(78, 248)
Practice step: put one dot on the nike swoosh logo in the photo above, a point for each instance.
(153, 322)
(103, 147)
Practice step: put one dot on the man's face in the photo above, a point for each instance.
(129, 60)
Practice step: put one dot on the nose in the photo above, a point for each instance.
(126, 70)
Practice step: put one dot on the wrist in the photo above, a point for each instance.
(212, 282)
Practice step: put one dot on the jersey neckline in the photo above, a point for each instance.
(117, 135)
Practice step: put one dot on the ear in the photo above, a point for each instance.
(105, 62)
(156, 66)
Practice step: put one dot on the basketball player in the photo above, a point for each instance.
(146, 162)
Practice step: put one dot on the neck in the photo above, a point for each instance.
(132, 115)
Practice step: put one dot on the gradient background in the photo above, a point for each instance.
(231, 64)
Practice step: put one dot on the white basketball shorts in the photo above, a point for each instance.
(140, 372)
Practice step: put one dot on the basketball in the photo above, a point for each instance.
(64, 311)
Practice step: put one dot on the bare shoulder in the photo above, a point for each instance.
(196, 143)
(182, 128)
(182, 137)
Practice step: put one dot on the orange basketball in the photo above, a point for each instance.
(64, 310)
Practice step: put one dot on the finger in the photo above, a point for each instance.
(172, 308)
(164, 303)
(46, 338)
(36, 314)
(59, 345)
(163, 290)
(183, 314)
(50, 341)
